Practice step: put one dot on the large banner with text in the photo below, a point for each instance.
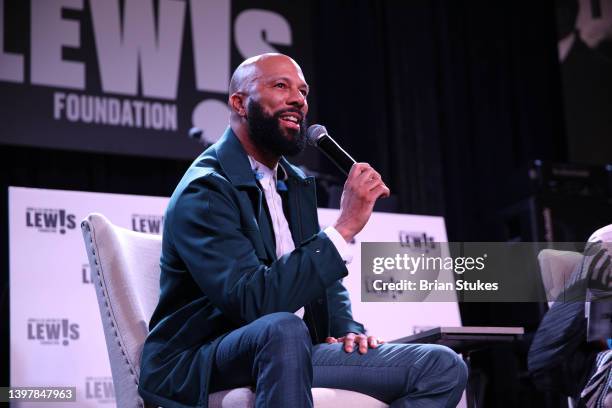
(133, 76)
(55, 328)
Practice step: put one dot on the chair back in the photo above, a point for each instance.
(125, 272)
(556, 267)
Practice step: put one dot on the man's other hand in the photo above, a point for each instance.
(352, 340)
(361, 190)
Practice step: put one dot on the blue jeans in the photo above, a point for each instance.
(275, 353)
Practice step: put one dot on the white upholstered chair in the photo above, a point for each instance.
(125, 271)
(556, 267)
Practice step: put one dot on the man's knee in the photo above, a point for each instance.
(284, 328)
(445, 363)
(284, 341)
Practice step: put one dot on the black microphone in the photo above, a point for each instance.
(317, 136)
(196, 133)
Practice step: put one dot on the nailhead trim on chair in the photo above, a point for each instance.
(104, 292)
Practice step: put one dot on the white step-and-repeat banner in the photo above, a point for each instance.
(55, 328)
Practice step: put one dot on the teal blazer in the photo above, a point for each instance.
(219, 271)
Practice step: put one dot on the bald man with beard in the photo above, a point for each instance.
(251, 291)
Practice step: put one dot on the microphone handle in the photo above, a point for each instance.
(335, 153)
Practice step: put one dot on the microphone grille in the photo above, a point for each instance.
(196, 133)
(314, 133)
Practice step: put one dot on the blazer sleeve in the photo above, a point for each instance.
(206, 230)
(340, 314)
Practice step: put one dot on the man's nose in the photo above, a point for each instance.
(296, 98)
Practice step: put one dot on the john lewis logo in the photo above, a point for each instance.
(147, 223)
(55, 220)
(100, 389)
(416, 240)
(86, 274)
(137, 49)
(52, 331)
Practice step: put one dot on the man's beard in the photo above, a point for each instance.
(266, 132)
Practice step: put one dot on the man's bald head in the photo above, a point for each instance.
(252, 67)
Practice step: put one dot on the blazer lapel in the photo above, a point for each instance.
(235, 164)
(301, 204)
(266, 229)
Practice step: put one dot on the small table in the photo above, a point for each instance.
(464, 340)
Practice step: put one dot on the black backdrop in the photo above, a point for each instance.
(446, 98)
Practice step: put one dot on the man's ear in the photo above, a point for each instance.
(237, 102)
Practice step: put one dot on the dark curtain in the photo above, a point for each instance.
(446, 98)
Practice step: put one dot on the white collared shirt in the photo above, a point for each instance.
(284, 241)
(282, 234)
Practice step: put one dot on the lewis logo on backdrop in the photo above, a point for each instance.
(56, 220)
(85, 274)
(144, 67)
(100, 389)
(52, 331)
(147, 223)
(416, 240)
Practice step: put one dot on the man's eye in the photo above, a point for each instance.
(280, 85)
